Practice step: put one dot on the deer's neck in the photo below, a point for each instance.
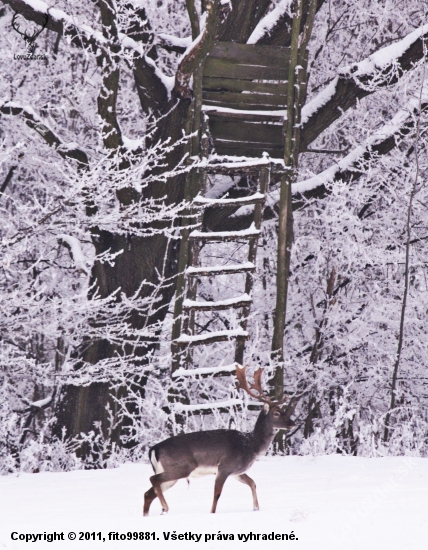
(263, 433)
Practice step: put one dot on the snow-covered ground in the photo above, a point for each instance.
(327, 502)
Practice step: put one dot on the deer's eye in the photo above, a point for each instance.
(276, 414)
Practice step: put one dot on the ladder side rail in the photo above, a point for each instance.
(285, 214)
(191, 190)
(202, 184)
(252, 254)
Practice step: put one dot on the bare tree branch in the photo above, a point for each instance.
(243, 19)
(151, 89)
(353, 166)
(59, 22)
(353, 84)
(217, 14)
(193, 17)
(8, 179)
(280, 33)
(35, 123)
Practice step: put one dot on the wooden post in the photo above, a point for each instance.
(190, 191)
(285, 220)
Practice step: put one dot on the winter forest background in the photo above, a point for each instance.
(93, 162)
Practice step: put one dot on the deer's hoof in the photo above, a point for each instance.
(164, 512)
(256, 508)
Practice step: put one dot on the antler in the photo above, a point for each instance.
(15, 15)
(243, 384)
(261, 396)
(35, 33)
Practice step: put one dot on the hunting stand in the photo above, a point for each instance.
(246, 105)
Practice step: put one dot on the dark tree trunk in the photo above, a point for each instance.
(141, 259)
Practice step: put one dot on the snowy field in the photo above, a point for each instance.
(326, 502)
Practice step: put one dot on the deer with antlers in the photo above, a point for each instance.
(223, 453)
(29, 36)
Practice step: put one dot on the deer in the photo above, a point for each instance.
(29, 38)
(222, 452)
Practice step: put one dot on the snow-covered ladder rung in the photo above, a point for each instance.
(207, 408)
(204, 372)
(240, 301)
(247, 267)
(256, 198)
(231, 164)
(224, 236)
(186, 340)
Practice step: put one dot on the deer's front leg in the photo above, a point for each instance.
(218, 487)
(243, 478)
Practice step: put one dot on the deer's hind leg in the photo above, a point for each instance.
(150, 495)
(162, 482)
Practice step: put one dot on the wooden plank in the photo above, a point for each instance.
(210, 272)
(246, 131)
(246, 101)
(205, 412)
(245, 107)
(250, 407)
(235, 85)
(205, 371)
(208, 339)
(215, 114)
(217, 374)
(253, 169)
(226, 55)
(221, 68)
(239, 201)
(216, 306)
(218, 237)
(245, 149)
(229, 167)
(251, 54)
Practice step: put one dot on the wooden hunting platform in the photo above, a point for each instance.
(239, 114)
(244, 94)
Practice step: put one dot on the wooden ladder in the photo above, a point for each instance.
(190, 306)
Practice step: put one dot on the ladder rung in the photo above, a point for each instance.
(240, 301)
(207, 408)
(210, 337)
(203, 372)
(220, 270)
(227, 164)
(250, 233)
(234, 168)
(241, 201)
(228, 113)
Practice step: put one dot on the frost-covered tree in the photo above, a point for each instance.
(93, 170)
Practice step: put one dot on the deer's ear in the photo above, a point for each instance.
(266, 408)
